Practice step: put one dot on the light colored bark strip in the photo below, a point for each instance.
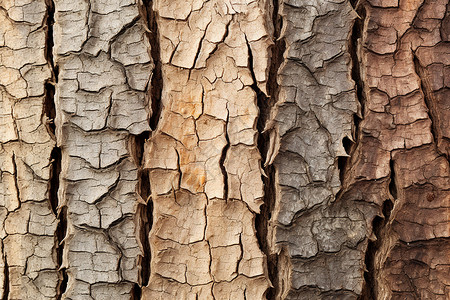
(102, 52)
(204, 164)
(28, 223)
(319, 241)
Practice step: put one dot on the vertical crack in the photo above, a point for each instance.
(49, 112)
(356, 72)
(353, 43)
(265, 104)
(145, 207)
(156, 82)
(222, 160)
(16, 183)
(61, 214)
(379, 229)
(144, 213)
(61, 231)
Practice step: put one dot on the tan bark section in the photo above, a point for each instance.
(204, 166)
(102, 52)
(319, 241)
(28, 262)
(405, 63)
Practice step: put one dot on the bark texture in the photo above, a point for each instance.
(224, 149)
(203, 161)
(104, 65)
(28, 232)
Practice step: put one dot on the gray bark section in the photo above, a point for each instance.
(322, 240)
(102, 53)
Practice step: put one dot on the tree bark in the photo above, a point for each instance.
(286, 149)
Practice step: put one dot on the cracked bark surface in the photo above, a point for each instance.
(28, 225)
(203, 161)
(224, 149)
(102, 53)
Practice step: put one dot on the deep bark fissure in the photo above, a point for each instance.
(356, 34)
(49, 110)
(60, 234)
(145, 207)
(156, 82)
(379, 224)
(144, 212)
(49, 43)
(355, 73)
(265, 104)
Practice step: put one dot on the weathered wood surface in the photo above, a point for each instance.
(224, 149)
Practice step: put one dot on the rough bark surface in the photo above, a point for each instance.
(28, 260)
(404, 133)
(320, 240)
(102, 54)
(203, 161)
(224, 149)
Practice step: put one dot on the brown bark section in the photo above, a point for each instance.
(402, 148)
